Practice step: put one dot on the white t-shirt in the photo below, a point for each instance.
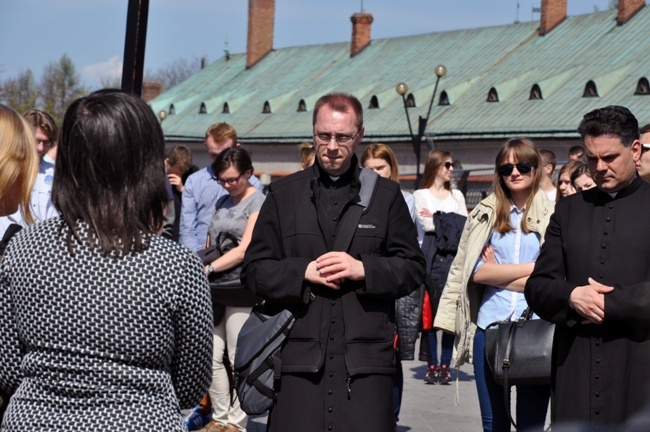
(424, 199)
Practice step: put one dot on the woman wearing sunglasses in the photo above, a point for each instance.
(497, 252)
(436, 195)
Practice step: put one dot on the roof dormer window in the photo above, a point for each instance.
(493, 96)
(410, 101)
(535, 93)
(590, 90)
(642, 87)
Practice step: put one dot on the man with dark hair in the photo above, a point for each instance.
(548, 164)
(577, 152)
(202, 191)
(592, 280)
(178, 164)
(643, 165)
(338, 362)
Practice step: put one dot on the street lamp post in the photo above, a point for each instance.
(416, 140)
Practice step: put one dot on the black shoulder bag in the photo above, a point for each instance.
(519, 352)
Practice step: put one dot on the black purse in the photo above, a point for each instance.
(226, 287)
(519, 352)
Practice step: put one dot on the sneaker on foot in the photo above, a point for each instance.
(444, 375)
(196, 420)
(431, 375)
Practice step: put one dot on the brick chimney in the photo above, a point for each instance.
(553, 13)
(261, 14)
(627, 9)
(360, 32)
(150, 90)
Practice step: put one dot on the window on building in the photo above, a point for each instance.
(302, 106)
(267, 108)
(535, 93)
(374, 102)
(203, 109)
(444, 99)
(590, 90)
(410, 101)
(642, 87)
(226, 108)
(172, 110)
(493, 96)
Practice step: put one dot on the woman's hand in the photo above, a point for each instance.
(426, 213)
(487, 255)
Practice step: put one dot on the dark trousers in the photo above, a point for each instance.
(446, 347)
(532, 400)
(398, 387)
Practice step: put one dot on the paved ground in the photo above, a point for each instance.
(428, 408)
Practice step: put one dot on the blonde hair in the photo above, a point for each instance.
(382, 151)
(18, 158)
(307, 155)
(523, 150)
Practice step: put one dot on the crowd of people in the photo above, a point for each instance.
(114, 315)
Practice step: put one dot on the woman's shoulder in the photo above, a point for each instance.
(161, 248)
(421, 192)
(457, 194)
(256, 200)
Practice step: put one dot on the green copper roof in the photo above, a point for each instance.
(510, 59)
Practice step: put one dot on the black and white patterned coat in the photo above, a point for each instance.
(97, 343)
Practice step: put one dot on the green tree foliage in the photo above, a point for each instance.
(60, 85)
(20, 93)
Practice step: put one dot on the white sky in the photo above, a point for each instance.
(92, 32)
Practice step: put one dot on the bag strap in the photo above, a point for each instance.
(505, 364)
(368, 179)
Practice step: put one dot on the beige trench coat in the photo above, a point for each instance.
(461, 298)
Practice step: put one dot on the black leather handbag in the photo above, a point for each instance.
(226, 287)
(519, 352)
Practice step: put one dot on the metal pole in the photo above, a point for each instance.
(414, 142)
(134, 45)
(433, 96)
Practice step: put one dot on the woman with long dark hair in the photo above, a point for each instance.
(101, 316)
(436, 195)
(497, 253)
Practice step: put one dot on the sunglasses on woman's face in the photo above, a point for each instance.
(448, 165)
(522, 167)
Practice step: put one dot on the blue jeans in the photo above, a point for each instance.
(532, 400)
(447, 347)
(398, 387)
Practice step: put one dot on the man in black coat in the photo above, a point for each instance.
(592, 279)
(338, 361)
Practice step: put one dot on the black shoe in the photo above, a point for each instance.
(444, 375)
(432, 375)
